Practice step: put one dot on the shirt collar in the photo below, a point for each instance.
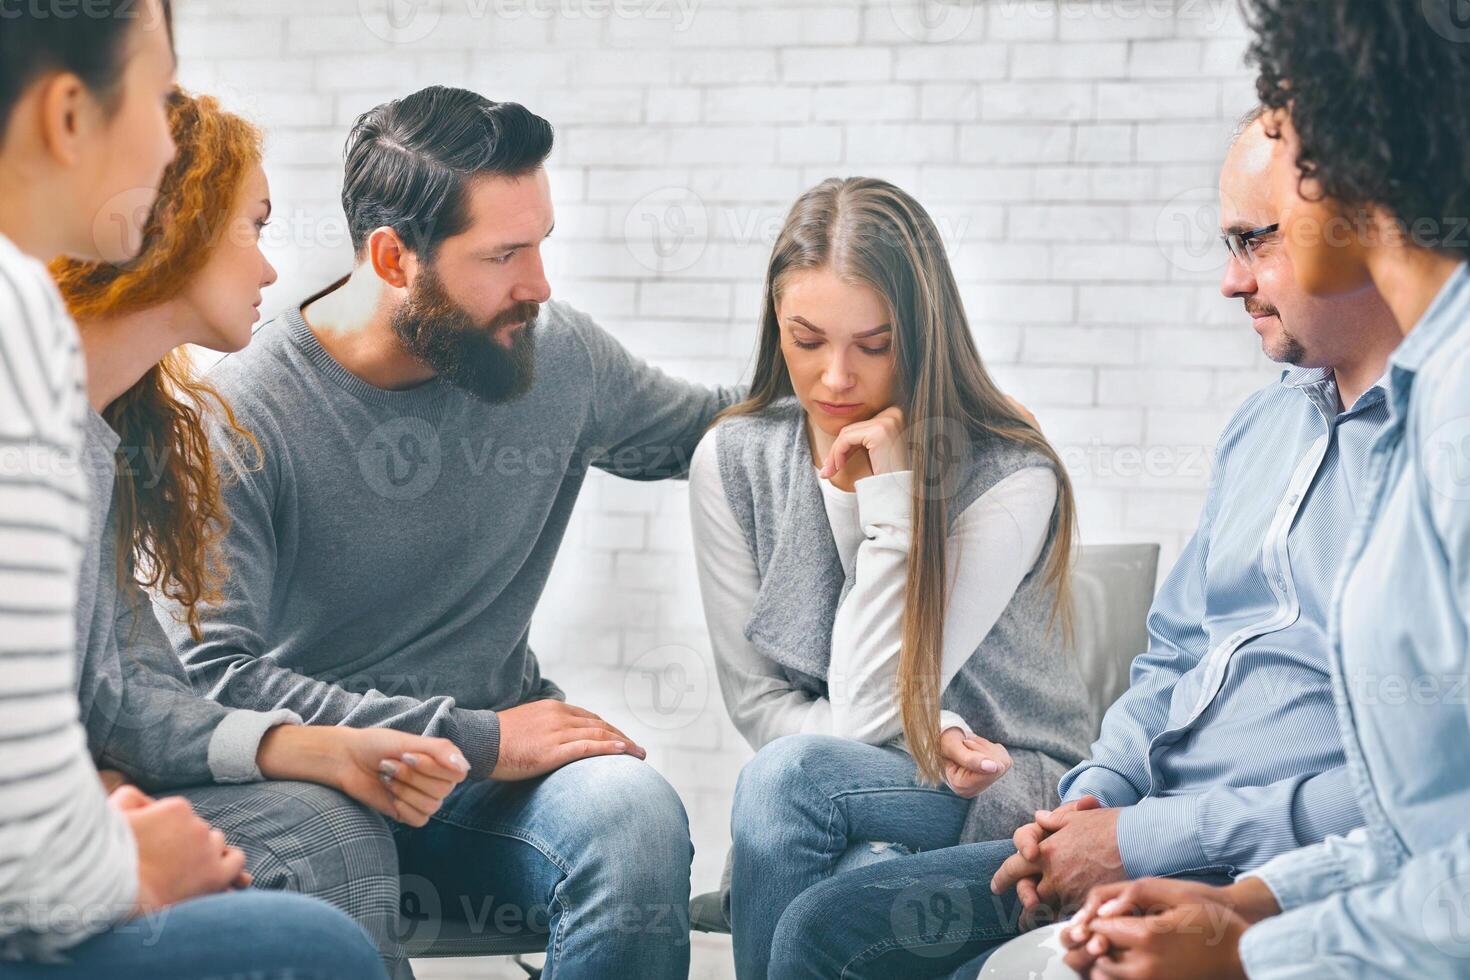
(1300, 377)
(1320, 385)
(1448, 313)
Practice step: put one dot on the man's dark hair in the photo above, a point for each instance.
(91, 43)
(1379, 94)
(408, 162)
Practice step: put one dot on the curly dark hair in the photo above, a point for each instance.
(1379, 94)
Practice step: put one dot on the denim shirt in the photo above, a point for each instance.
(1393, 899)
(1225, 749)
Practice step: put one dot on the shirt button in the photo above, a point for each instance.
(1281, 582)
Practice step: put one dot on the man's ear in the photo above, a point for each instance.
(389, 257)
(66, 112)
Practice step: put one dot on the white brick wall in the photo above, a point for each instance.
(1067, 148)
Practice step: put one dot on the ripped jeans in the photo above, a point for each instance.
(806, 808)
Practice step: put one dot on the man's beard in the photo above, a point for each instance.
(464, 351)
(1288, 350)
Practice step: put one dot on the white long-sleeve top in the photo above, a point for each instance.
(992, 546)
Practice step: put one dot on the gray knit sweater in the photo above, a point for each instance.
(388, 553)
(142, 716)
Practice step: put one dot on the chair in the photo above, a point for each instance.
(707, 913)
(1112, 589)
(428, 934)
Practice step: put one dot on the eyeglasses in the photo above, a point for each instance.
(1243, 244)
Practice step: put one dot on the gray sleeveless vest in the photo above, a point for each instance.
(1019, 688)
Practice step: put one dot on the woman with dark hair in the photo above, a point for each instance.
(125, 886)
(883, 543)
(157, 525)
(1367, 102)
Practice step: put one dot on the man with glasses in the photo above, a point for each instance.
(1243, 245)
(1224, 752)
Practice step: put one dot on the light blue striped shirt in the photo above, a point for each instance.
(1393, 899)
(1225, 748)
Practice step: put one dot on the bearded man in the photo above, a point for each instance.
(425, 425)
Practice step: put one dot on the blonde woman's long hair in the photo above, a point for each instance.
(870, 232)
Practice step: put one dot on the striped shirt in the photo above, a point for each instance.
(1225, 749)
(68, 862)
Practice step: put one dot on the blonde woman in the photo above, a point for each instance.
(883, 542)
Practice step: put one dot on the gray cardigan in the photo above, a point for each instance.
(1020, 687)
(141, 714)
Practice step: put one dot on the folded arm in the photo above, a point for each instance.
(152, 725)
(762, 701)
(1379, 917)
(992, 546)
(1117, 771)
(233, 663)
(1235, 828)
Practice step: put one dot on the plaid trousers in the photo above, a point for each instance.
(306, 838)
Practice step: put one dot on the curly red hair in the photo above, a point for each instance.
(171, 514)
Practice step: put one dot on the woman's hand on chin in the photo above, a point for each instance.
(880, 437)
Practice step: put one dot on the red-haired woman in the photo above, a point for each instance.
(156, 526)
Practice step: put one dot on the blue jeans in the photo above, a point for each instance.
(800, 804)
(922, 915)
(593, 857)
(248, 935)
